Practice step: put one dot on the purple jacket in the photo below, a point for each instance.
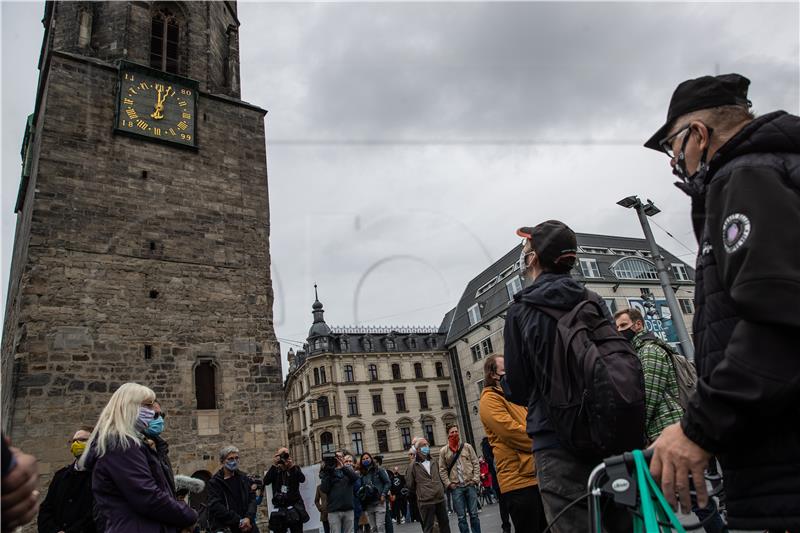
(132, 495)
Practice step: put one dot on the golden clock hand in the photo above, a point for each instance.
(159, 107)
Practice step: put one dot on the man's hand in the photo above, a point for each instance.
(451, 486)
(675, 456)
(383, 498)
(20, 499)
(246, 524)
(289, 463)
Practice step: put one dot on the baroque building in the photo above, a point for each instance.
(367, 389)
(142, 241)
(620, 269)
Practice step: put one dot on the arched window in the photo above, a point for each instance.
(316, 376)
(164, 41)
(323, 408)
(439, 369)
(634, 268)
(412, 343)
(367, 342)
(326, 442)
(205, 385)
(390, 344)
(344, 345)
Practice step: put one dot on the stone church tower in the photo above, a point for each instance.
(142, 241)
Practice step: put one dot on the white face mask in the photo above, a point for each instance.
(146, 415)
(523, 261)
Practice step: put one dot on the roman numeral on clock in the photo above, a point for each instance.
(142, 124)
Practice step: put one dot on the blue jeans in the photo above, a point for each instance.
(465, 500)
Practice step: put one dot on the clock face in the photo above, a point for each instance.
(157, 108)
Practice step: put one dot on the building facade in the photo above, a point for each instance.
(619, 269)
(142, 242)
(367, 390)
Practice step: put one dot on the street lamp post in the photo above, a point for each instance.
(644, 211)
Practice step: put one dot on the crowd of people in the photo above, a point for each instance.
(573, 385)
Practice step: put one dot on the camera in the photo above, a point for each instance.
(329, 458)
(284, 457)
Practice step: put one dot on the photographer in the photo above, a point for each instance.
(337, 481)
(231, 502)
(289, 513)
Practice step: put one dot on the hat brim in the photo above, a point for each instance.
(525, 232)
(653, 141)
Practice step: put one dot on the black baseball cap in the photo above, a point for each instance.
(552, 240)
(702, 93)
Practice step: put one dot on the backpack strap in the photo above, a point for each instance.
(454, 459)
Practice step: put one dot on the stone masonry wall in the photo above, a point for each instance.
(177, 260)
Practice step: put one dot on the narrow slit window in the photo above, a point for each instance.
(205, 385)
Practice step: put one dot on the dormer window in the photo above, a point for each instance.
(164, 39)
(390, 344)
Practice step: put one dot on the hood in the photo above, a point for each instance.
(559, 291)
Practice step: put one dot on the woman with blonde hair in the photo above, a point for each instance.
(131, 492)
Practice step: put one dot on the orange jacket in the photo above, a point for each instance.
(504, 423)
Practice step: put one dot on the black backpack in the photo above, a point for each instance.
(594, 391)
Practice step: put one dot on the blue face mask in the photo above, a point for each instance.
(425, 450)
(365, 463)
(232, 465)
(155, 427)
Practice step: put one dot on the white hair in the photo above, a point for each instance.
(226, 451)
(117, 423)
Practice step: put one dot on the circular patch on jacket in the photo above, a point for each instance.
(735, 231)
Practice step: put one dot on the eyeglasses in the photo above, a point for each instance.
(666, 143)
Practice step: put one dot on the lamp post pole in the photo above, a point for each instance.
(672, 302)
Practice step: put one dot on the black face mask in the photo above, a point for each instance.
(629, 334)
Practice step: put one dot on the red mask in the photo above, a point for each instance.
(453, 441)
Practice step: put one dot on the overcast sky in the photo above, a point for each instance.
(407, 141)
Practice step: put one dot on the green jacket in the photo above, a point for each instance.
(660, 384)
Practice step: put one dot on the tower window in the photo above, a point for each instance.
(164, 36)
(205, 385)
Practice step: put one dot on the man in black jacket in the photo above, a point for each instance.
(548, 254)
(743, 176)
(69, 502)
(231, 502)
(285, 477)
(337, 482)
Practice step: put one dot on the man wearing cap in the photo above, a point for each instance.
(548, 254)
(743, 176)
